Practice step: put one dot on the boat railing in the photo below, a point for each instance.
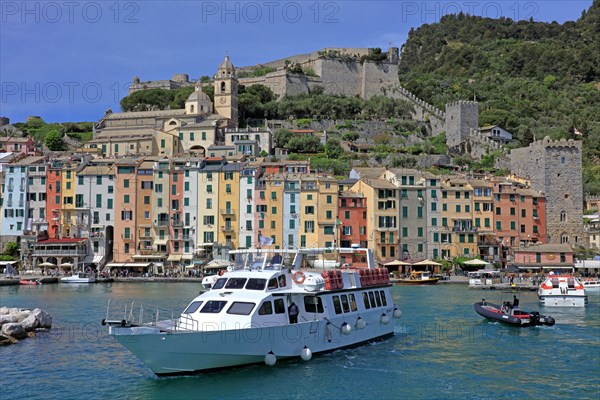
(128, 314)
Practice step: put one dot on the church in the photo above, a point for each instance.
(191, 130)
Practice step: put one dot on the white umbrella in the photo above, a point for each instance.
(427, 262)
(475, 262)
(67, 264)
(46, 264)
(396, 263)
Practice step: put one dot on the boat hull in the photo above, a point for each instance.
(558, 300)
(417, 282)
(182, 353)
(493, 312)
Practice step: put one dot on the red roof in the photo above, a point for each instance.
(64, 240)
(303, 130)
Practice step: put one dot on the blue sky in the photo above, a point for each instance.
(71, 60)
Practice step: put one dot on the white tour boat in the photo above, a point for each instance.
(209, 281)
(562, 291)
(268, 307)
(80, 277)
(591, 285)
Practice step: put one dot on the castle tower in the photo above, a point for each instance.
(226, 91)
(461, 117)
(554, 168)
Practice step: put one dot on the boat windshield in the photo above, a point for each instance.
(219, 283)
(258, 260)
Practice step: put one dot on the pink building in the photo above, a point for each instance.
(544, 257)
(24, 145)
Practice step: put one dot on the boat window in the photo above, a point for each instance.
(256, 284)
(336, 305)
(235, 283)
(571, 283)
(366, 300)
(282, 282)
(219, 283)
(378, 299)
(273, 283)
(554, 282)
(241, 308)
(313, 304)
(266, 308)
(383, 299)
(345, 304)
(213, 306)
(372, 297)
(192, 308)
(279, 307)
(352, 302)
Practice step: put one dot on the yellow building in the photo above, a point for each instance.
(309, 229)
(327, 207)
(160, 205)
(68, 191)
(382, 216)
(459, 234)
(228, 202)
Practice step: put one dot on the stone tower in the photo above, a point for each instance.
(226, 91)
(555, 169)
(461, 117)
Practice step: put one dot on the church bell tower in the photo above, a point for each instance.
(226, 91)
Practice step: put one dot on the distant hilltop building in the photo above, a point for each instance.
(362, 72)
(195, 128)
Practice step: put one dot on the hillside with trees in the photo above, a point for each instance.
(534, 79)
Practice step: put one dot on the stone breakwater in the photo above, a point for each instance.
(18, 323)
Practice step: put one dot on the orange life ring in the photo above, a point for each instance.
(298, 277)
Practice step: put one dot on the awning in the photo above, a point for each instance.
(159, 242)
(187, 256)
(559, 267)
(127, 265)
(199, 245)
(174, 257)
(155, 256)
(97, 259)
(396, 263)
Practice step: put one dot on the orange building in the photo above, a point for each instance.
(519, 215)
(125, 207)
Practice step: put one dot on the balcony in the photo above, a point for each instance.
(144, 236)
(227, 211)
(161, 223)
(465, 229)
(186, 237)
(177, 223)
(227, 228)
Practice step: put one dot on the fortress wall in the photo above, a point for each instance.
(343, 78)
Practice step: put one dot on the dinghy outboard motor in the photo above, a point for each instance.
(534, 318)
(548, 320)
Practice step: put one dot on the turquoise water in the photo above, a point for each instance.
(441, 349)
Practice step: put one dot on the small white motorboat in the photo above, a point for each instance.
(562, 291)
(591, 285)
(80, 277)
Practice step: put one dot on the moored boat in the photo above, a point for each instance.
(510, 314)
(591, 285)
(79, 278)
(418, 278)
(30, 282)
(261, 311)
(562, 291)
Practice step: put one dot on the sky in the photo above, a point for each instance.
(71, 60)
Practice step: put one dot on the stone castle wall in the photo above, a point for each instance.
(555, 169)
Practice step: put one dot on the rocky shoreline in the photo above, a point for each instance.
(20, 323)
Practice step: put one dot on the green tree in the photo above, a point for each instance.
(54, 141)
(333, 150)
(282, 137)
(11, 249)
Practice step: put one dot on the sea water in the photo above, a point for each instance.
(441, 350)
